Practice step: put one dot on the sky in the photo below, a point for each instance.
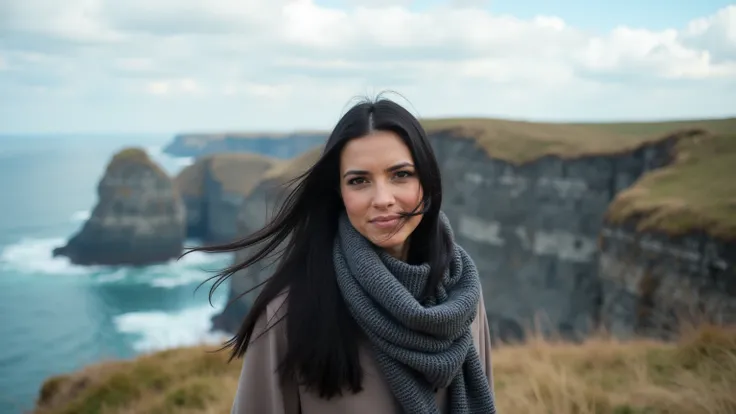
(170, 66)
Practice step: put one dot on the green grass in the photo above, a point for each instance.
(519, 142)
(694, 194)
(697, 192)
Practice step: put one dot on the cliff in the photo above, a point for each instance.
(528, 202)
(139, 218)
(695, 375)
(256, 209)
(271, 145)
(668, 244)
(214, 188)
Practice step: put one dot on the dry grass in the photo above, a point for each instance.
(134, 155)
(697, 192)
(200, 139)
(238, 173)
(294, 167)
(524, 141)
(519, 142)
(190, 180)
(601, 376)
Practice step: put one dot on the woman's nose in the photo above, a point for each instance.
(383, 196)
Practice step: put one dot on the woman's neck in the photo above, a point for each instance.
(400, 252)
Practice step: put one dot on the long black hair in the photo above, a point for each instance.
(322, 344)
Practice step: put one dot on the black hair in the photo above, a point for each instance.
(322, 337)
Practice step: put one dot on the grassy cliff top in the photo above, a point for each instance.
(295, 166)
(697, 192)
(241, 173)
(520, 141)
(134, 155)
(600, 376)
(237, 172)
(523, 141)
(197, 139)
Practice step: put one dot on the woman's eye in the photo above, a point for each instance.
(404, 174)
(356, 181)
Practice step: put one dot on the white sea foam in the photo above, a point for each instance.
(158, 330)
(80, 215)
(34, 257)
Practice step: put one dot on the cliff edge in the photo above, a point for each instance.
(254, 213)
(139, 218)
(602, 376)
(668, 244)
(529, 202)
(214, 188)
(282, 146)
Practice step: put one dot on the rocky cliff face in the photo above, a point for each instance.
(653, 283)
(271, 145)
(256, 210)
(668, 244)
(532, 229)
(535, 227)
(138, 220)
(214, 189)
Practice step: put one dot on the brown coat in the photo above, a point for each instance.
(259, 390)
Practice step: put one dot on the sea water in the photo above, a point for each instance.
(56, 317)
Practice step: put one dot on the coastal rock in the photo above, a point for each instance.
(668, 245)
(281, 146)
(214, 189)
(139, 218)
(255, 212)
(528, 202)
(655, 285)
(531, 227)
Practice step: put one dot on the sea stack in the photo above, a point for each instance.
(139, 218)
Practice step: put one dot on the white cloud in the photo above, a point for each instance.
(174, 86)
(295, 64)
(471, 4)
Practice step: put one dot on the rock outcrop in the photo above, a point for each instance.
(214, 189)
(528, 201)
(668, 245)
(281, 146)
(256, 210)
(139, 218)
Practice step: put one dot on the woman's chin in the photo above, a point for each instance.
(393, 245)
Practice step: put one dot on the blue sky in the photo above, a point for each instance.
(135, 66)
(604, 15)
(593, 15)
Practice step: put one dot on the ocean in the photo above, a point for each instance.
(56, 317)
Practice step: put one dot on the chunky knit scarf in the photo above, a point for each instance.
(419, 347)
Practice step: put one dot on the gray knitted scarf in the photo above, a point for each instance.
(419, 347)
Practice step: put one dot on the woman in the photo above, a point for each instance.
(373, 308)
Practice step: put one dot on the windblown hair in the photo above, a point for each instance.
(322, 337)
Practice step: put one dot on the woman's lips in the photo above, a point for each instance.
(385, 222)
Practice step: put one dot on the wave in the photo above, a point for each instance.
(159, 330)
(33, 257)
(81, 215)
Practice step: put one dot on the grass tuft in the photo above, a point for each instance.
(599, 376)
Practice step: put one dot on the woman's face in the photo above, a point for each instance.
(377, 181)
